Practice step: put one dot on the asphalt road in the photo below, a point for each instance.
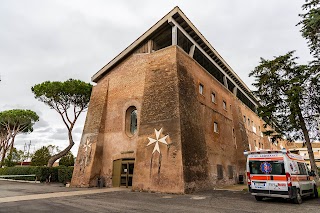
(127, 201)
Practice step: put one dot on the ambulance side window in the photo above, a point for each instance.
(302, 169)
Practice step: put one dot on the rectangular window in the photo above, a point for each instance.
(213, 97)
(215, 127)
(248, 121)
(230, 172)
(275, 167)
(220, 171)
(224, 104)
(201, 89)
(244, 119)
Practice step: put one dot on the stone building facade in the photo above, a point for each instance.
(168, 114)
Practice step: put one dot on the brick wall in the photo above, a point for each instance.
(164, 87)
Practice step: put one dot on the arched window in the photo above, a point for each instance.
(131, 121)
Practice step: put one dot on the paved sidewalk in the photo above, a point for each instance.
(59, 194)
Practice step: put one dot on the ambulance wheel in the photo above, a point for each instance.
(258, 198)
(297, 199)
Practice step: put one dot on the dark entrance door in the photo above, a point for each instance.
(127, 173)
(122, 172)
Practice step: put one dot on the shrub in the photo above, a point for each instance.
(30, 170)
(67, 160)
(46, 174)
(65, 174)
(41, 157)
(42, 173)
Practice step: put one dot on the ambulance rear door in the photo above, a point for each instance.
(268, 174)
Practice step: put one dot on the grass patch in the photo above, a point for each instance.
(319, 190)
(246, 189)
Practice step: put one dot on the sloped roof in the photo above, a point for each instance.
(177, 16)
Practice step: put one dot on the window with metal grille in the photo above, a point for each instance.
(220, 171)
(230, 172)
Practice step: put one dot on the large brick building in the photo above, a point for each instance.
(168, 114)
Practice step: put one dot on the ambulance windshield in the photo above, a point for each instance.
(267, 167)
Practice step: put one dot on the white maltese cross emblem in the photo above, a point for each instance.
(157, 140)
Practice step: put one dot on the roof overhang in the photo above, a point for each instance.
(179, 18)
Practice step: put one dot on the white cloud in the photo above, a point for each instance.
(57, 40)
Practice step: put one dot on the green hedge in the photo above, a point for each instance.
(46, 174)
(65, 174)
(30, 170)
(60, 174)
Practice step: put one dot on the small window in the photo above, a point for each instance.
(213, 97)
(248, 121)
(230, 172)
(259, 128)
(131, 121)
(201, 89)
(215, 127)
(244, 119)
(220, 171)
(224, 104)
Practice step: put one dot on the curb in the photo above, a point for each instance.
(20, 181)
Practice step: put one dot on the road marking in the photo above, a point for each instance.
(59, 194)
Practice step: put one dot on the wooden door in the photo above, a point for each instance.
(116, 172)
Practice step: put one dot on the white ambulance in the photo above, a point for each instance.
(279, 174)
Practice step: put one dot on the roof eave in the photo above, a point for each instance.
(96, 77)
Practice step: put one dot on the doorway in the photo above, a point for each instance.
(122, 172)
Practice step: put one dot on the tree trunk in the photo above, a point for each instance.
(2, 157)
(11, 146)
(4, 152)
(63, 152)
(309, 147)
